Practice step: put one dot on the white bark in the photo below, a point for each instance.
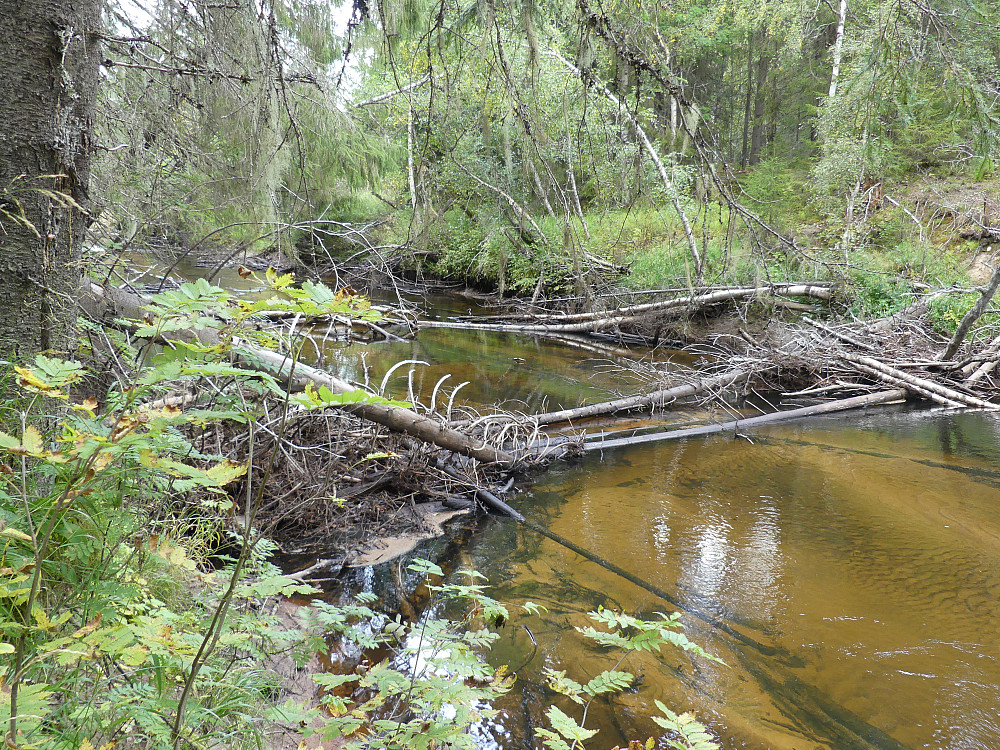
(838, 48)
(672, 192)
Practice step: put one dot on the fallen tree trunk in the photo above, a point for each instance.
(881, 397)
(396, 418)
(643, 401)
(923, 386)
(590, 322)
(972, 316)
(708, 296)
(112, 302)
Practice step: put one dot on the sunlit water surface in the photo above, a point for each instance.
(864, 548)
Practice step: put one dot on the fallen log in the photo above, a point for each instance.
(856, 402)
(972, 315)
(927, 388)
(707, 296)
(643, 401)
(104, 303)
(977, 362)
(396, 418)
(590, 322)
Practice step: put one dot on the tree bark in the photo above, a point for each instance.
(838, 48)
(49, 63)
(882, 397)
(972, 316)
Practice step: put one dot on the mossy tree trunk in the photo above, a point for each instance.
(49, 62)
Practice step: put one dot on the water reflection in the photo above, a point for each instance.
(872, 565)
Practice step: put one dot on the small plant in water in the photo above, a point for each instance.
(629, 635)
(436, 687)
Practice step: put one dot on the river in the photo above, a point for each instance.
(857, 556)
(862, 552)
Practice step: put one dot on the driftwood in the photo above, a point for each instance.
(591, 322)
(871, 399)
(923, 386)
(103, 303)
(644, 401)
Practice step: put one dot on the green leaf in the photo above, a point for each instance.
(609, 682)
(690, 733)
(558, 681)
(420, 565)
(330, 681)
(567, 727)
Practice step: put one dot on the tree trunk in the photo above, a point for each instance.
(838, 48)
(757, 133)
(48, 79)
(745, 151)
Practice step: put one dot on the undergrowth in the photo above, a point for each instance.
(893, 253)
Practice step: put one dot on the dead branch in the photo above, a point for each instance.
(923, 386)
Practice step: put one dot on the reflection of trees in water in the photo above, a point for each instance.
(968, 435)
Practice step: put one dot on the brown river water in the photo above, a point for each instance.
(856, 557)
(860, 554)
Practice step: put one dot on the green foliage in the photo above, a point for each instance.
(110, 622)
(947, 311)
(632, 634)
(627, 634)
(875, 295)
(79, 487)
(687, 733)
(435, 686)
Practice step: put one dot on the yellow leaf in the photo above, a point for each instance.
(135, 656)
(14, 534)
(32, 440)
(89, 628)
(102, 460)
(31, 382)
(42, 618)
